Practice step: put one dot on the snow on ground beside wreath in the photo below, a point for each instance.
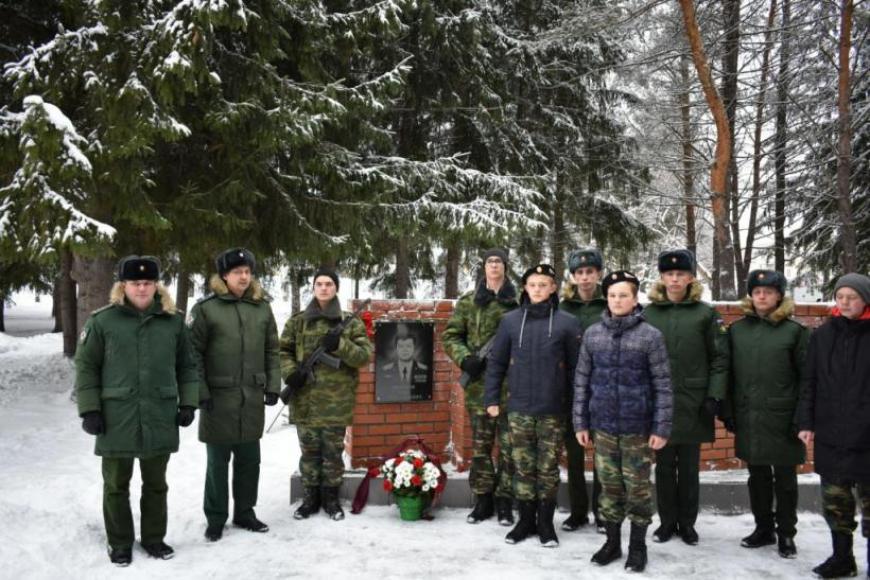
(50, 494)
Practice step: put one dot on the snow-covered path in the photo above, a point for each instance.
(50, 494)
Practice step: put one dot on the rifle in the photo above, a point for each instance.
(482, 354)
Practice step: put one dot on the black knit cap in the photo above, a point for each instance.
(677, 260)
(138, 268)
(545, 269)
(328, 272)
(496, 253)
(770, 278)
(233, 258)
(616, 277)
(585, 257)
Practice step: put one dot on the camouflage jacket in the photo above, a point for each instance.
(475, 320)
(330, 400)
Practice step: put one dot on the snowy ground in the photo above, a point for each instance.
(50, 493)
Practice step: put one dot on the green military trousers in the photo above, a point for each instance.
(321, 463)
(577, 476)
(624, 463)
(117, 472)
(484, 477)
(537, 445)
(838, 506)
(677, 484)
(246, 477)
(767, 482)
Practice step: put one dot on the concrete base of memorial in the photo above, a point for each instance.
(721, 491)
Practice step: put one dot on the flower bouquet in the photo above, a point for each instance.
(413, 479)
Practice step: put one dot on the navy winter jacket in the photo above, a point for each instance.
(536, 346)
(622, 384)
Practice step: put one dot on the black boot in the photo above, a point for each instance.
(842, 562)
(527, 526)
(214, 532)
(160, 550)
(546, 532)
(252, 524)
(504, 508)
(574, 522)
(331, 504)
(636, 561)
(689, 535)
(665, 532)
(483, 509)
(786, 546)
(310, 504)
(758, 538)
(121, 557)
(612, 548)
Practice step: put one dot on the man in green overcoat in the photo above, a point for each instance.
(473, 324)
(768, 349)
(323, 405)
(697, 342)
(583, 299)
(136, 383)
(235, 339)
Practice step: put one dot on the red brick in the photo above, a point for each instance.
(403, 418)
(369, 440)
(369, 419)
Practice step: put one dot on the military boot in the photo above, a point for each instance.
(483, 509)
(612, 548)
(331, 504)
(786, 546)
(574, 522)
(636, 561)
(842, 562)
(665, 532)
(504, 509)
(546, 532)
(527, 525)
(121, 557)
(310, 504)
(758, 538)
(159, 550)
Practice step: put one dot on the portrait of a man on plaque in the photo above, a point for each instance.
(403, 361)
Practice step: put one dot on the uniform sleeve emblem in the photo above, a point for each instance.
(84, 335)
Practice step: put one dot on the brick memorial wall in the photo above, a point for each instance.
(442, 422)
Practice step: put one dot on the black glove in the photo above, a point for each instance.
(294, 381)
(270, 399)
(330, 341)
(712, 406)
(207, 405)
(473, 365)
(92, 423)
(185, 416)
(730, 425)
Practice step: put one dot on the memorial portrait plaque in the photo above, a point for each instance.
(403, 361)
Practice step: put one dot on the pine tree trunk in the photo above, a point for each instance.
(55, 306)
(68, 303)
(722, 159)
(731, 19)
(781, 139)
(2, 313)
(757, 153)
(451, 275)
(296, 292)
(688, 158)
(848, 237)
(557, 234)
(94, 277)
(182, 291)
(403, 268)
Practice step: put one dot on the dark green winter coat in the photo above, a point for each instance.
(236, 344)
(588, 313)
(767, 361)
(474, 321)
(137, 368)
(697, 341)
(330, 400)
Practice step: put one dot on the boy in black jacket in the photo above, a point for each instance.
(536, 346)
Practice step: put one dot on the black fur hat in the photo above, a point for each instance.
(677, 260)
(138, 268)
(616, 277)
(233, 258)
(585, 257)
(770, 278)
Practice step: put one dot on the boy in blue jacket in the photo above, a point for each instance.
(536, 346)
(623, 395)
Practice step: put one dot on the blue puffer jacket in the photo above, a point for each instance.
(622, 384)
(536, 346)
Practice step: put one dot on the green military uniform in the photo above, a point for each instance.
(767, 360)
(588, 313)
(236, 343)
(474, 322)
(137, 369)
(697, 342)
(323, 409)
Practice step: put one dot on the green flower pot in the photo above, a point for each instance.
(410, 507)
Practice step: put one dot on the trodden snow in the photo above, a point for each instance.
(50, 506)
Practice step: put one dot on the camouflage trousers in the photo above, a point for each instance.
(624, 463)
(321, 463)
(537, 445)
(838, 506)
(484, 477)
